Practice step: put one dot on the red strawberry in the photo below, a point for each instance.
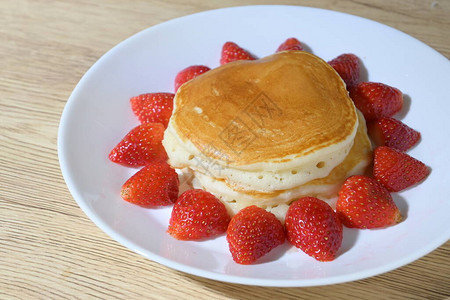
(313, 226)
(141, 146)
(290, 44)
(376, 100)
(397, 170)
(252, 233)
(154, 185)
(347, 66)
(187, 74)
(153, 107)
(232, 52)
(365, 203)
(393, 133)
(198, 214)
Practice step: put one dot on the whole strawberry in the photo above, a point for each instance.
(252, 233)
(313, 227)
(347, 66)
(154, 185)
(231, 52)
(141, 146)
(290, 44)
(153, 107)
(196, 215)
(189, 73)
(397, 170)
(376, 100)
(365, 203)
(393, 133)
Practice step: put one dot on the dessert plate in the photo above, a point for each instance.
(98, 115)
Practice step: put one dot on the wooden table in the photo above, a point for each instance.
(48, 247)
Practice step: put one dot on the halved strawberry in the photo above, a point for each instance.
(154, 185)
(397, 170)
(393, 133)
(252, 233)
(153, 107)
(365, 203)
(189, 73)
(141, 146)
(347, 66)
(313, 226)
(290, 44)
(376, 100)
(231, 52)
(196, 215)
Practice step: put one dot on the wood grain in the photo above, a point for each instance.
(48, 248)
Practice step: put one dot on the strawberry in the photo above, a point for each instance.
(232, 52)
(252, 233)
(365, 203)
(188, 73)
(347, 66)
(153, 107)
(393, 133)
(196, 215)
(313, 227)
(376, 100)
(397, 170)
(290, 44)
(141, 146)
(154, 185)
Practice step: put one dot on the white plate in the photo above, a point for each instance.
(98, 115)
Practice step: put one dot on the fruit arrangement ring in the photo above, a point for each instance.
(310, 224)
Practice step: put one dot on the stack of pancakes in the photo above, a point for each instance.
(268, 131)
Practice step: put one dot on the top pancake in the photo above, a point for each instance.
(272, 110)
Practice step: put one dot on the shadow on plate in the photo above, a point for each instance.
(405, 108)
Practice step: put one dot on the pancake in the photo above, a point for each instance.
(325, 188)
(265, 180)
(269, 124)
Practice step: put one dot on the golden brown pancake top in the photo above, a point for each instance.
(283, 106)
